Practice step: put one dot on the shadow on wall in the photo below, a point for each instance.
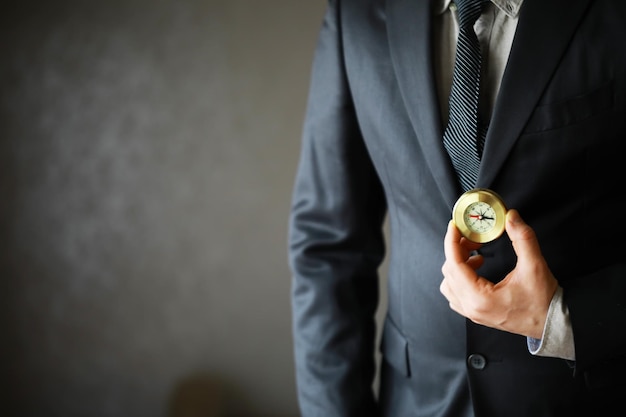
(208, 395)
(199, 396)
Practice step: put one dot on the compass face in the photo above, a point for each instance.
(479, 215)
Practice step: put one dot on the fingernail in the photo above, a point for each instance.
(514, 217)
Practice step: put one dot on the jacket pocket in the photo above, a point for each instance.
(606, 375)
(395, 348)
(571, 111)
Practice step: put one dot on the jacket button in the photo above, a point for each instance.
(477, 361)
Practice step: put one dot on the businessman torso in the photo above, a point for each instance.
(554, 151)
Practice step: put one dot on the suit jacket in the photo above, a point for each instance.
(372, 147)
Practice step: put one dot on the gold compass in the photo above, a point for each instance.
(479, 214)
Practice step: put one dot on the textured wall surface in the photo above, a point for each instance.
(147, 153)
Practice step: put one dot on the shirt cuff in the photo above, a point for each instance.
(557, 340)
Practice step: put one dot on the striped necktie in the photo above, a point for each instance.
(464, 137)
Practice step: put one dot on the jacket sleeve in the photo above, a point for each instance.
(336, 244)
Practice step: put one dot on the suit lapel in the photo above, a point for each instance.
(410, 40)
(543, 33)
(547, 26)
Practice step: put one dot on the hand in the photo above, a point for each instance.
(517, 304)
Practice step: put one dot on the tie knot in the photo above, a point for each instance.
(469, 11)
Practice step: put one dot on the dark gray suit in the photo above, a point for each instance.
(372, 146)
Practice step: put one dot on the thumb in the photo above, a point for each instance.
(522, 236)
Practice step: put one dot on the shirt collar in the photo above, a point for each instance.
(510, 7)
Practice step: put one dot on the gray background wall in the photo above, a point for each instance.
(147, 153)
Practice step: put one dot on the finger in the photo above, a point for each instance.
(470, 246)
(522, 236)
(448, 292)
(461, 246)
(476, 261)
(451, 246)
(459, 268)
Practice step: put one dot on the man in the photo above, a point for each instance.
(530, 324)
